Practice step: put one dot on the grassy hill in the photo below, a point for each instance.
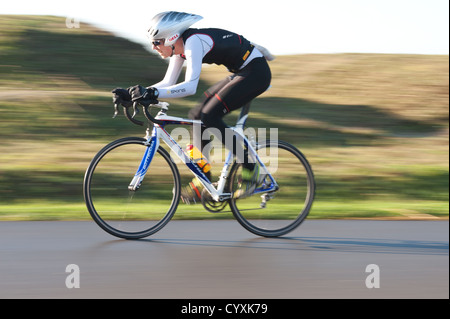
(374, 127)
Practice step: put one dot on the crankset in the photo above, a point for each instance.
(210, 204)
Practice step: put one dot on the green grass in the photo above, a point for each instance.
(65, 210)
(374, 127)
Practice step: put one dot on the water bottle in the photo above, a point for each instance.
(198, 158)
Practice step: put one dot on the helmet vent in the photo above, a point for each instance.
(170, 25)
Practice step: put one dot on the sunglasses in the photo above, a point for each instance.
(157, 42)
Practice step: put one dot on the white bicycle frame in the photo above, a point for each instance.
(159, 132)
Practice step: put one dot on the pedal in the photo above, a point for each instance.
(210, 204)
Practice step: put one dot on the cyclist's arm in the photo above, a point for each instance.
(173, 72)
(194, 52)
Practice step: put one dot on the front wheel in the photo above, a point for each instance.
(279, 211)
(124, 213)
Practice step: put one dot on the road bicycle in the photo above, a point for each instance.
(127, 205)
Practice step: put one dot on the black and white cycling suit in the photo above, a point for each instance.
(251, 75)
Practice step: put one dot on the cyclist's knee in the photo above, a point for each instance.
(208, 120)
(195, 113)
(212, 119)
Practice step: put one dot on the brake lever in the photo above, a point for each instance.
(116, 110)
(135, 109)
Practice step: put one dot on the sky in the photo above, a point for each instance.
(284, 27)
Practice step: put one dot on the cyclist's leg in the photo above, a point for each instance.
(196, 113)
(228, 95)
(241, 88)
(192, 192)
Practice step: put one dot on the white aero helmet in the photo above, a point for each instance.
(170, 25)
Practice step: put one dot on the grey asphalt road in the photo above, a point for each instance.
(221, 260)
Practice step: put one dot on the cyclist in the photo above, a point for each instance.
(172, 37)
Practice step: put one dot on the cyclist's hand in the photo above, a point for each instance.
(121, 96)
(144, 96)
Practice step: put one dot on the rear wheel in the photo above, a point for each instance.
(275, 213)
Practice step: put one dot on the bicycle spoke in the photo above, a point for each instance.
(277, 211)
(127, 213)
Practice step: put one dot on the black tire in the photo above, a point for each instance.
(289, 206)
(131, 214)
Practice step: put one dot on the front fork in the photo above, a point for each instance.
(152, 143)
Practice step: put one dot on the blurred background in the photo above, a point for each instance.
(362, 90)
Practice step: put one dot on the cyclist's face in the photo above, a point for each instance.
(158, 46)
